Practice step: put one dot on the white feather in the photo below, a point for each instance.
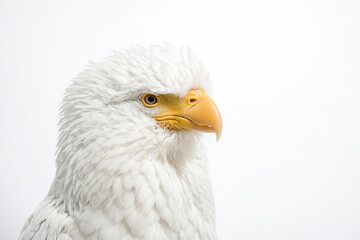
(119, 175)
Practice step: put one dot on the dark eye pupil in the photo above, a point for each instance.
(151, 99)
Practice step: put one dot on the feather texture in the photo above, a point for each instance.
(119, 175)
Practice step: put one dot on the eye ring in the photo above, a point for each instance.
(149, 100)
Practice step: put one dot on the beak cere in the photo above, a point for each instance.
(194, 111)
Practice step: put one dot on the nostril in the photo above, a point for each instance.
(192, 100)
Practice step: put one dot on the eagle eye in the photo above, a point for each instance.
(149, 100)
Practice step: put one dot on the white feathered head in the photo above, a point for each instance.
(139, 100)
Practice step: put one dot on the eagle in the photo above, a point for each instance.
(130, 159)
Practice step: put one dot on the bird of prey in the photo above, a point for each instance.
(130, 158)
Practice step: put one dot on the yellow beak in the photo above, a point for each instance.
(194, 111)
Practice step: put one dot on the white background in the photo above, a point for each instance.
(287, 81)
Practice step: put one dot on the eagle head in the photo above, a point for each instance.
(139, 99)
